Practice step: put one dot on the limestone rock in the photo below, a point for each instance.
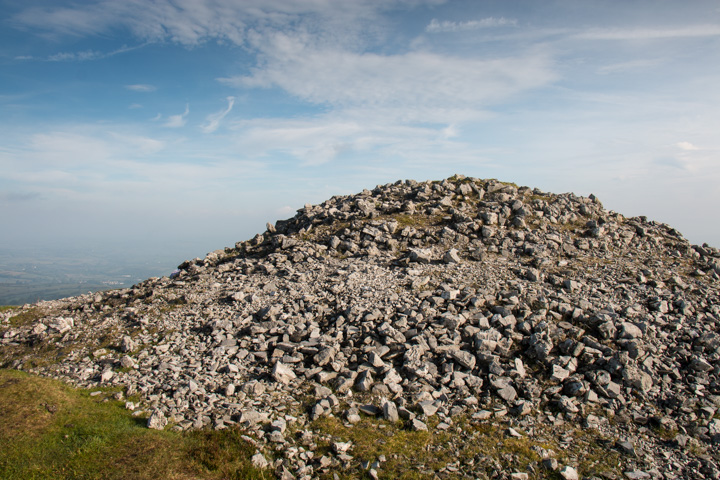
(157, 420)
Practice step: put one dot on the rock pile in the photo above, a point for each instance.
(436, 299)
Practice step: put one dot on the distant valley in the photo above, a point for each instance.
(31, 276)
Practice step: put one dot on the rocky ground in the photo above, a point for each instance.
(439, 306)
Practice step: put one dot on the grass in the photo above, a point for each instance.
(406, 220)
(26, 317)
(470, 447)
(52, 431)
(401, 447)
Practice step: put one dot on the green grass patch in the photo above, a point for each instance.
(405, 220)
(402, 448)
(467, 448)
(26, 317)
(52, 431)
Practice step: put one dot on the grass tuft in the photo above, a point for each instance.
(26, 317)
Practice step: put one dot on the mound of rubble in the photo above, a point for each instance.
(436, 299)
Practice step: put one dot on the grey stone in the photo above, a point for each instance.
(127, 362)
(633, 376)
(364, 381)
(420, 255)
(637, 475)
(390, 412)
(259, 461)
(418, 426)
(569, 473)
(559, 374)
(507, 393)
(625, 447)
(127, 344)
(629, 330)
(465, 359)
(157, 420)
(283, 373)
(452, 256)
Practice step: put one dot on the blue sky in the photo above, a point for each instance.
(177, 127)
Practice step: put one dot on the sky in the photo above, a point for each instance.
(171, 128)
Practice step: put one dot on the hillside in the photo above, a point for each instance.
(518, 333)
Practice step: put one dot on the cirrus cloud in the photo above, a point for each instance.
(139, 87)
(215, 118)
(177, 121)
(436, 26)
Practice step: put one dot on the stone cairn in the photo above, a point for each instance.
(424, 299)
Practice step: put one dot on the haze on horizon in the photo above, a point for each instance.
(173, 128)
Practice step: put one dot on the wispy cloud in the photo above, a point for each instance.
(192, 23)
(138, 143)
(89, 55)
(329, 76)
(75, 56)
(348, 134)
(140, 87)
(436, 26)
(215, 118)
(73, 157)
(177, 121)
(701, 30)
(632, 65)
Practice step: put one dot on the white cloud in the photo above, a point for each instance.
(339, 136)
(325, 75)
(436, 26)
(177, 121)
(140, 87)
(215, 118)
(686, 146)
(106, 160)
